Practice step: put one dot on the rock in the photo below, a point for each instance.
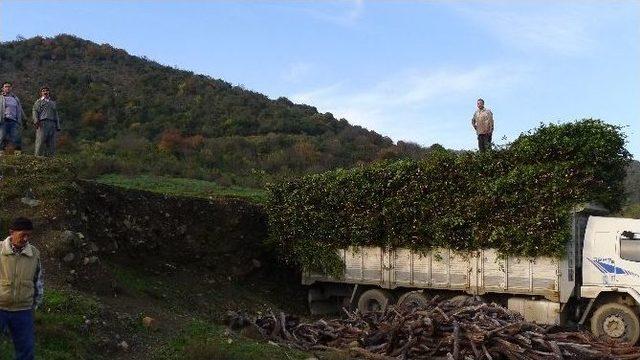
(93, 247)
(89, 260)
(29, 200)
(123, 345)
(71, 239)
(68, 237)
(69, 257)
(63, 244)
(150, 323)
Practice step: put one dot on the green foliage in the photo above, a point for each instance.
(632, 182)
(631, 211)
(517, 199)
(183, 187)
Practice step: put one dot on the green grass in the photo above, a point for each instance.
(204, 341)
(137, 283)
(59, 334)
(630, 211)
(183, 187)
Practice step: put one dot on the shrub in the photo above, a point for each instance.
(516, 199)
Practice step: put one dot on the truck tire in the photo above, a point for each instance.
(616, 321)
(413, 299)
(374, 300)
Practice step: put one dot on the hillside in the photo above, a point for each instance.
(632, 182)
(109, 262)
(126, 114)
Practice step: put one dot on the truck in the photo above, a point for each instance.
(595, 284)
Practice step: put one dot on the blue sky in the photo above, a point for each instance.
(408, 70)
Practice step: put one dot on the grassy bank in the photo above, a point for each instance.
(183, 187)
(61, 332)
(204, 341)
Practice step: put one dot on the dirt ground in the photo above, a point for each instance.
(174, 295)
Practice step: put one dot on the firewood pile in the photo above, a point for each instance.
(472, 329)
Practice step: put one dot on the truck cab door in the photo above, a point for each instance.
(600, 255)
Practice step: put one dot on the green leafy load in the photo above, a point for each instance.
(516, 199)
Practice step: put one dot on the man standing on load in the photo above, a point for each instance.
(482, 122)
(21, 287)
(47, 123)
(11, 116)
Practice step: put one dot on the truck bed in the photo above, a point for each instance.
(477, 272)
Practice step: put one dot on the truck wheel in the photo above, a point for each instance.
(413, 299)
(616, 321)
(374, 300)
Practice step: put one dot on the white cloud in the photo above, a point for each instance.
(297, 71)
(558, 29)
(400, 100)
(341, 16)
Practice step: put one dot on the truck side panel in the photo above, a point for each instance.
(444, 269)
(472, 272)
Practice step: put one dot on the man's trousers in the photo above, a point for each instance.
(10, 134)
(46, 138)
(20, 325)
(484, 142)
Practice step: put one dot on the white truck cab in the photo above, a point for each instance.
(611, 276)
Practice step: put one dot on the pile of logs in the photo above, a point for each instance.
(441, 329)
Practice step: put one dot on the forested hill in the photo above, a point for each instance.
(123, 113)
(126, 114)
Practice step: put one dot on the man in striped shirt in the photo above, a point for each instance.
(46, 122)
